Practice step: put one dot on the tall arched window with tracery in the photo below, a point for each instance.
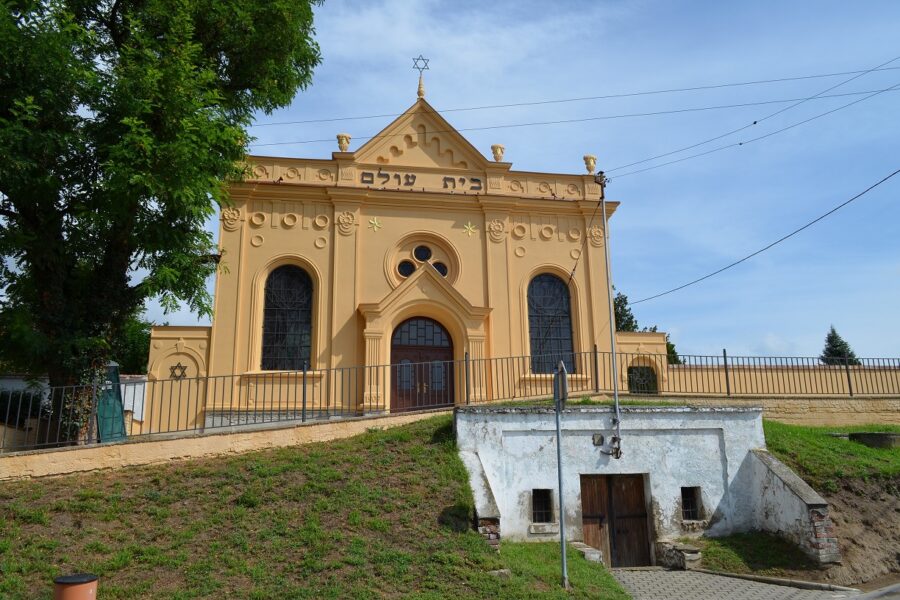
(287, 319)
(550, 324)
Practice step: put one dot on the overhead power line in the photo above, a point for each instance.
(597, 118)
(760, 137)
(752, 124)
(775, 243)
(583, 98)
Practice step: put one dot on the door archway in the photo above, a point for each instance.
(422, 371)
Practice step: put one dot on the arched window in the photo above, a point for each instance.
(287, 319)
(550, 324)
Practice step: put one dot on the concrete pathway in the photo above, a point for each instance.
(656, 584)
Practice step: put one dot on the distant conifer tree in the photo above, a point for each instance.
(837, 351)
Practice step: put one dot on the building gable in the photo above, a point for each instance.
(420, 137)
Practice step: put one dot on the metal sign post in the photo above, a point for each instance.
(560, 394)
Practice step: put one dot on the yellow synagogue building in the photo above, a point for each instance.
(415, 250)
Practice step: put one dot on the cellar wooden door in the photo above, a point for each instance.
(594, 513)
(614, 518)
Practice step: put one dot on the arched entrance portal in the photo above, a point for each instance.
(422, 371)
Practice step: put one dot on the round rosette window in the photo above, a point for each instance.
(418, 251)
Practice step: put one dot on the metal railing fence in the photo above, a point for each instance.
(87, 414)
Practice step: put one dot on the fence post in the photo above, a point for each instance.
(596, 371)
(468, 380)
(847, 369)
(92, 420)
(727, 381)
(303, 405)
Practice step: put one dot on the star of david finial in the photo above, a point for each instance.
(178, 371)
(421, 64)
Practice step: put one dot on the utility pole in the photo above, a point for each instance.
(616, 442)
(560, 394)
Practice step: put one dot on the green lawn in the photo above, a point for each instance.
(755, 552)
(824, 460)
(382, 514)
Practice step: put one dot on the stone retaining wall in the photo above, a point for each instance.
(787, 506)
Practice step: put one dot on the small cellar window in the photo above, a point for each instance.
(690, 504)
(541, 506)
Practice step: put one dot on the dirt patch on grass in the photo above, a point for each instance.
(862, 487)
(866, 516)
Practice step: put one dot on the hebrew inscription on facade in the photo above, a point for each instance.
(383, 178)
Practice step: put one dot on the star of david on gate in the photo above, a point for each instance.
(420, 64)
(178, 371)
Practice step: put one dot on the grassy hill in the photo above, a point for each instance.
(825, 460)
(383, 514)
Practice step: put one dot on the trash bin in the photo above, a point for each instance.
(80, 586)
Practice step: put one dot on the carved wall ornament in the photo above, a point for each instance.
(231, 218)
(345, 222)
(498, 150)
(590, 162)
(178, 371)
(595, 233)
(496, 230)
(343, 140)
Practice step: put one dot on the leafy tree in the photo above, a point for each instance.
(132, 348)
(837, 351)
(626, 321)
(120, 122)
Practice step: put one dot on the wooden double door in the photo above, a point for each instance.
(422, 372)
(614, 518)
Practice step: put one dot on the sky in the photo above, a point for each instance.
(681, 221)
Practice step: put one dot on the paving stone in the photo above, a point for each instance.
(653, 584)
